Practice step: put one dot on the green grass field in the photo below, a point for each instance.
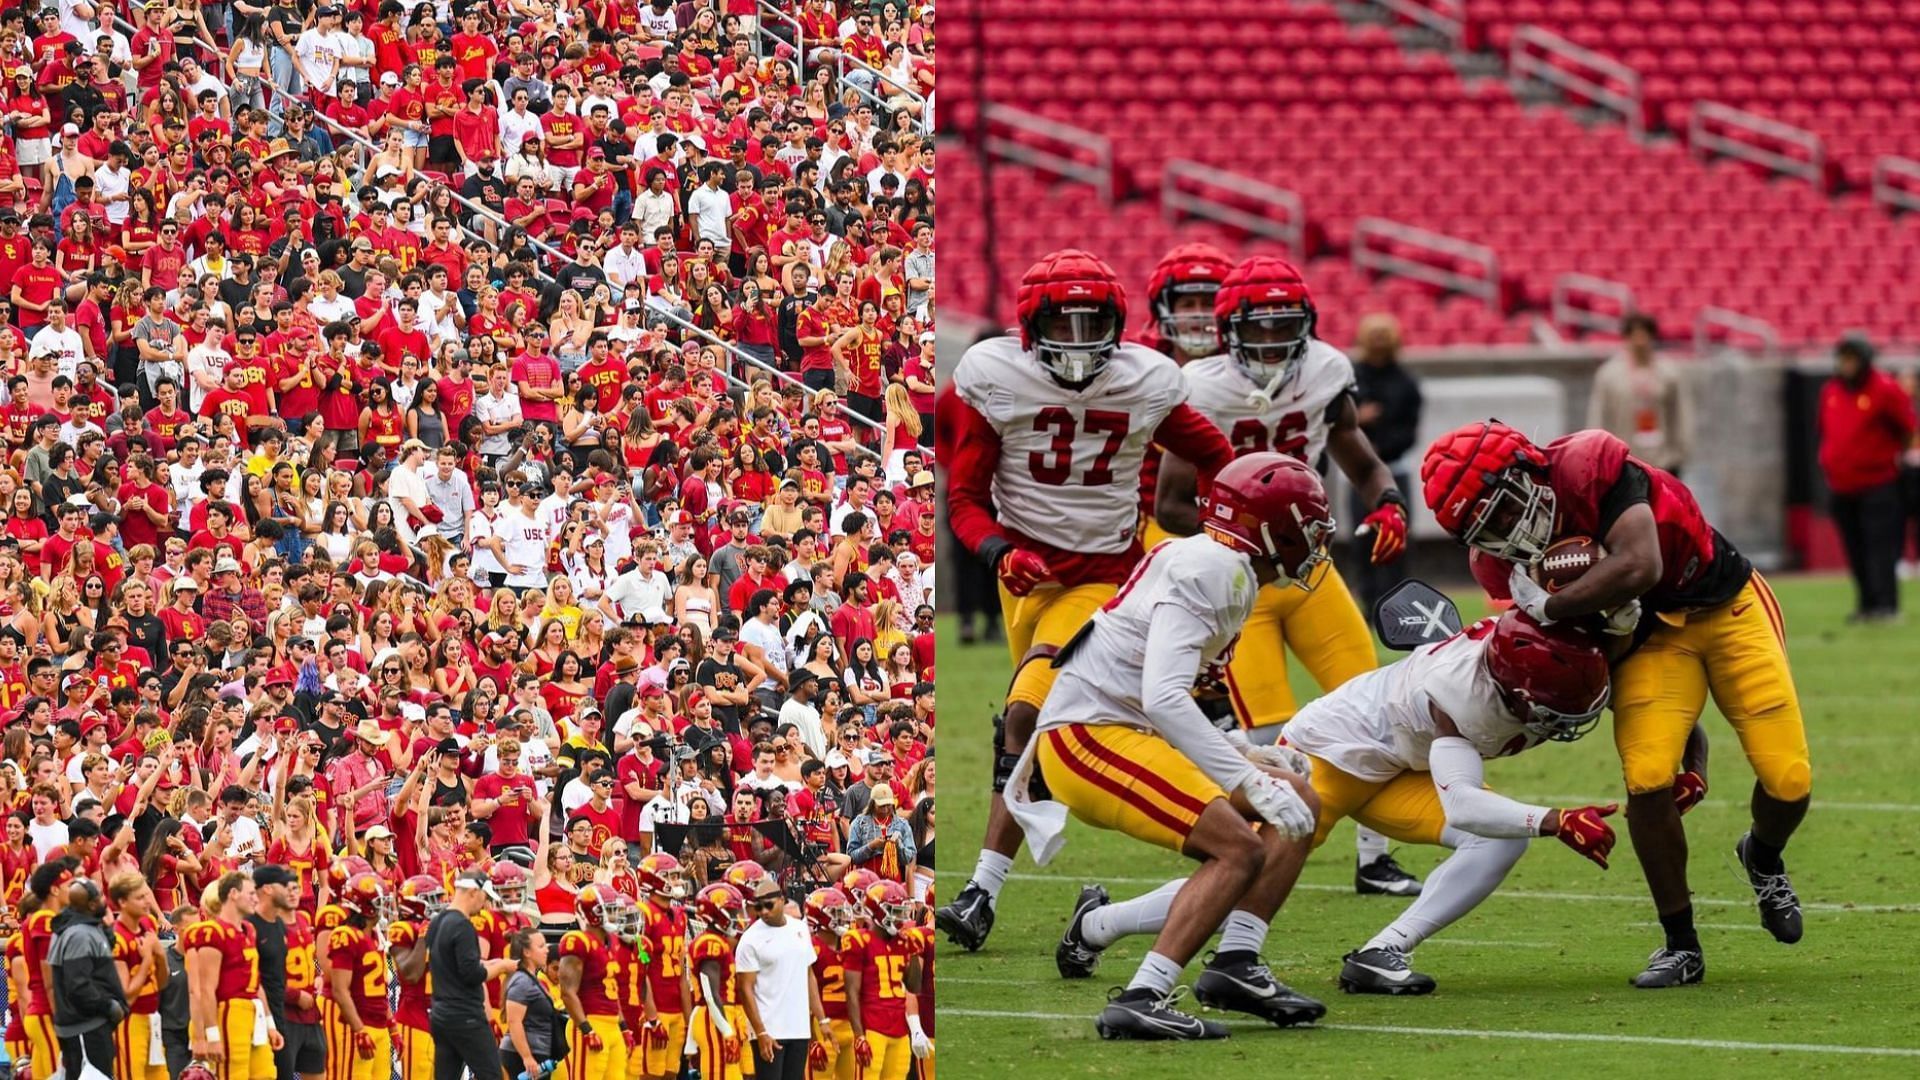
(1534, 983)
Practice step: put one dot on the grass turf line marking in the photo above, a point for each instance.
(1529, 1036)
(1856, 807)
(1510, 894)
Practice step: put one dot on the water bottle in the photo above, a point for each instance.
(546, 1068)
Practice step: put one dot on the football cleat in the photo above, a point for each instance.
(1672, 967)
(1143, 1014)
(1074, 957)
(1245, 984)
(968, 920)
(1384, 877)
(1382, 970)
(1779, 907)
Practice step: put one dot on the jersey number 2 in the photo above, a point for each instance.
(1054, 467)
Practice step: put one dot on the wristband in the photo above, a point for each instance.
(213, 1033)
(913, 1025)
(991, 549)
(1391, 495)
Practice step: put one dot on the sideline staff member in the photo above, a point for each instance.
(463, 1040)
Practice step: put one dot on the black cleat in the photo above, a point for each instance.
(1382, 971)
(1245, 984)
(1143, 1014)
(1384, 877)
(1073, 956)
(968, 919)
(1672, 967)
(1779, 907)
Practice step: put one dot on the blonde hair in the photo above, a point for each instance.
(900, 405)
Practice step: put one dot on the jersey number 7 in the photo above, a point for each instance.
(1055, 467)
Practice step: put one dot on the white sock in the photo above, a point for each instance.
(990, 873)
(1371, 845)
(1144, 914)
(1243, 933)
(1157, 973)
(1455, 887)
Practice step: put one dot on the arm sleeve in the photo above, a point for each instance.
(1188, 433)
(462, 951)
(1173, 656)
(969, 447)
(1458, 775)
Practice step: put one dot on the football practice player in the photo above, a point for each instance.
(1278, 387)
(1181, 325)
(1123, 745)
(1700, 619)
(1043, 436)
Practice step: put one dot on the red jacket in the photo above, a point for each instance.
(1863, 429)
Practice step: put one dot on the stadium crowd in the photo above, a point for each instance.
(453, 438)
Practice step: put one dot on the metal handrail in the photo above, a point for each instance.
(1446, 17)
(1366, 258)
(1567, 313)
(799, 37)
(1702, 140)
(1176, 200)
(1524, 65)
(1099, 175)
(1710, 317)
(878, 74)
(1890, 193)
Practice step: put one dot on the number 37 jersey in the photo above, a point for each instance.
(1294, 421)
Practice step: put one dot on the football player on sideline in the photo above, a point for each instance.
(1124, 746)
(1279, 388)
(1400, 749)
(1701, 620)
(1049, 430)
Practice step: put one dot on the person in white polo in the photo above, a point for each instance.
(774, 960)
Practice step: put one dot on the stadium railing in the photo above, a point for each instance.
(1763, 141)
(1896, 182)
(1537, 55)
(1445, 17)
(1733, 323)
(1011, 133)
(1573, 302)
(1390, 247)
(1191, 189)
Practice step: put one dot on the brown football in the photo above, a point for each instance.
(1566, 560)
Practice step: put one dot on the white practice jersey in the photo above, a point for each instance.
(1293, 421)
(1102, 682)
(1379, 725)
(1069, 470)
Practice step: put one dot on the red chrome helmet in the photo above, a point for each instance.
(1553, 680)
(888, 906)
(1487, 485)
(599, 906)
(720, 908)
(661, 873)
(1271, 506)
(745, 876)
(1072, 312)
(195, 1070)
(507, 884)
(856, 881)
(421, 897)
(343, 869)
(1266, 317)
(363, 896)
(829, 911)
(1187, 271)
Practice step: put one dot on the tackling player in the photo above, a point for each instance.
(663, 1035)
(223, 983)
(1278, 387)
(1124, 746)
(592, 961)
(357, 983)
(1043, 438)
(1701, 620)
(419, 900)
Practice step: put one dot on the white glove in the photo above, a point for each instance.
(1528, 595)
(1279, 805)
(922, 1046)
(1622, 620)
(1279, 756)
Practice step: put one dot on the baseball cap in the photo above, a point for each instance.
(279, 677)
(928, 335)
(379, 832)
(652, 690)
(74, 680)
(389, 79)
(635, 305)
(470, 879)
(273, 874)
(596, 153)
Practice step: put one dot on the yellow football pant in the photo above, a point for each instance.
(841, 1063)
(1323, 627)
(1125, 780)
(607, 1063)
(132, 1044)
(1737, 652)
(713, 1053)
(43, 1048)
(377, 1067)
(1050, 616)
(892, 1057)
(238, 1058)
(416, 1052)
(665, 1060)
(1406, 807)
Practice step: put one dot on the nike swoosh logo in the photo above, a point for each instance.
(1169, 1024)
(1739, 609)
(1390, 975)
(1260, 991)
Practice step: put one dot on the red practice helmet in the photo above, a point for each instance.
(195, 1070)
(661, 873)
(343, 869)
(888, 906)
(1553, 680)
(507, 883)
(1266, 317)
(421, 897)
(363, 896)
(720, 908)
(1072, 312)
(1188, 270)
(829, 911)
(1487, 485)
(1271, 506)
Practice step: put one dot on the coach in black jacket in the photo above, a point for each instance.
(88, 1002)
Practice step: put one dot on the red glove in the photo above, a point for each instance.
(863, 1051)
(1689, 788)
(592, 1041)
(363, 1044)
(655, 1034)
(1023, 571)
(817, 1057)
(730, 1050)
(630, 1037)
(1388, 525)
(1583, 830)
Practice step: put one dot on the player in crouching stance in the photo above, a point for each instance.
(1400, 749)
(1122, 744)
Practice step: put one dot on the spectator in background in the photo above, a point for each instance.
(1910, 483)
(1866, 423)
(1642, 399)
(1388, 403)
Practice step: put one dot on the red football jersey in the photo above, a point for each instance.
(126, 950)
(239, 956)
(358, 952)
(600, 971)
(416, 999)
(882, 964)
(302, 974)
(666, 928)
(831, 976)
(711, 947)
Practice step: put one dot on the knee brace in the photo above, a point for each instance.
(1003, 762)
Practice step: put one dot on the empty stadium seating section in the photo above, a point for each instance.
(1361, 127)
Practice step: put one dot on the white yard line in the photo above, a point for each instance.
(1740, 805)
(1528, 1036)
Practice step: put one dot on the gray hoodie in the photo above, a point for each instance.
(86, 987)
